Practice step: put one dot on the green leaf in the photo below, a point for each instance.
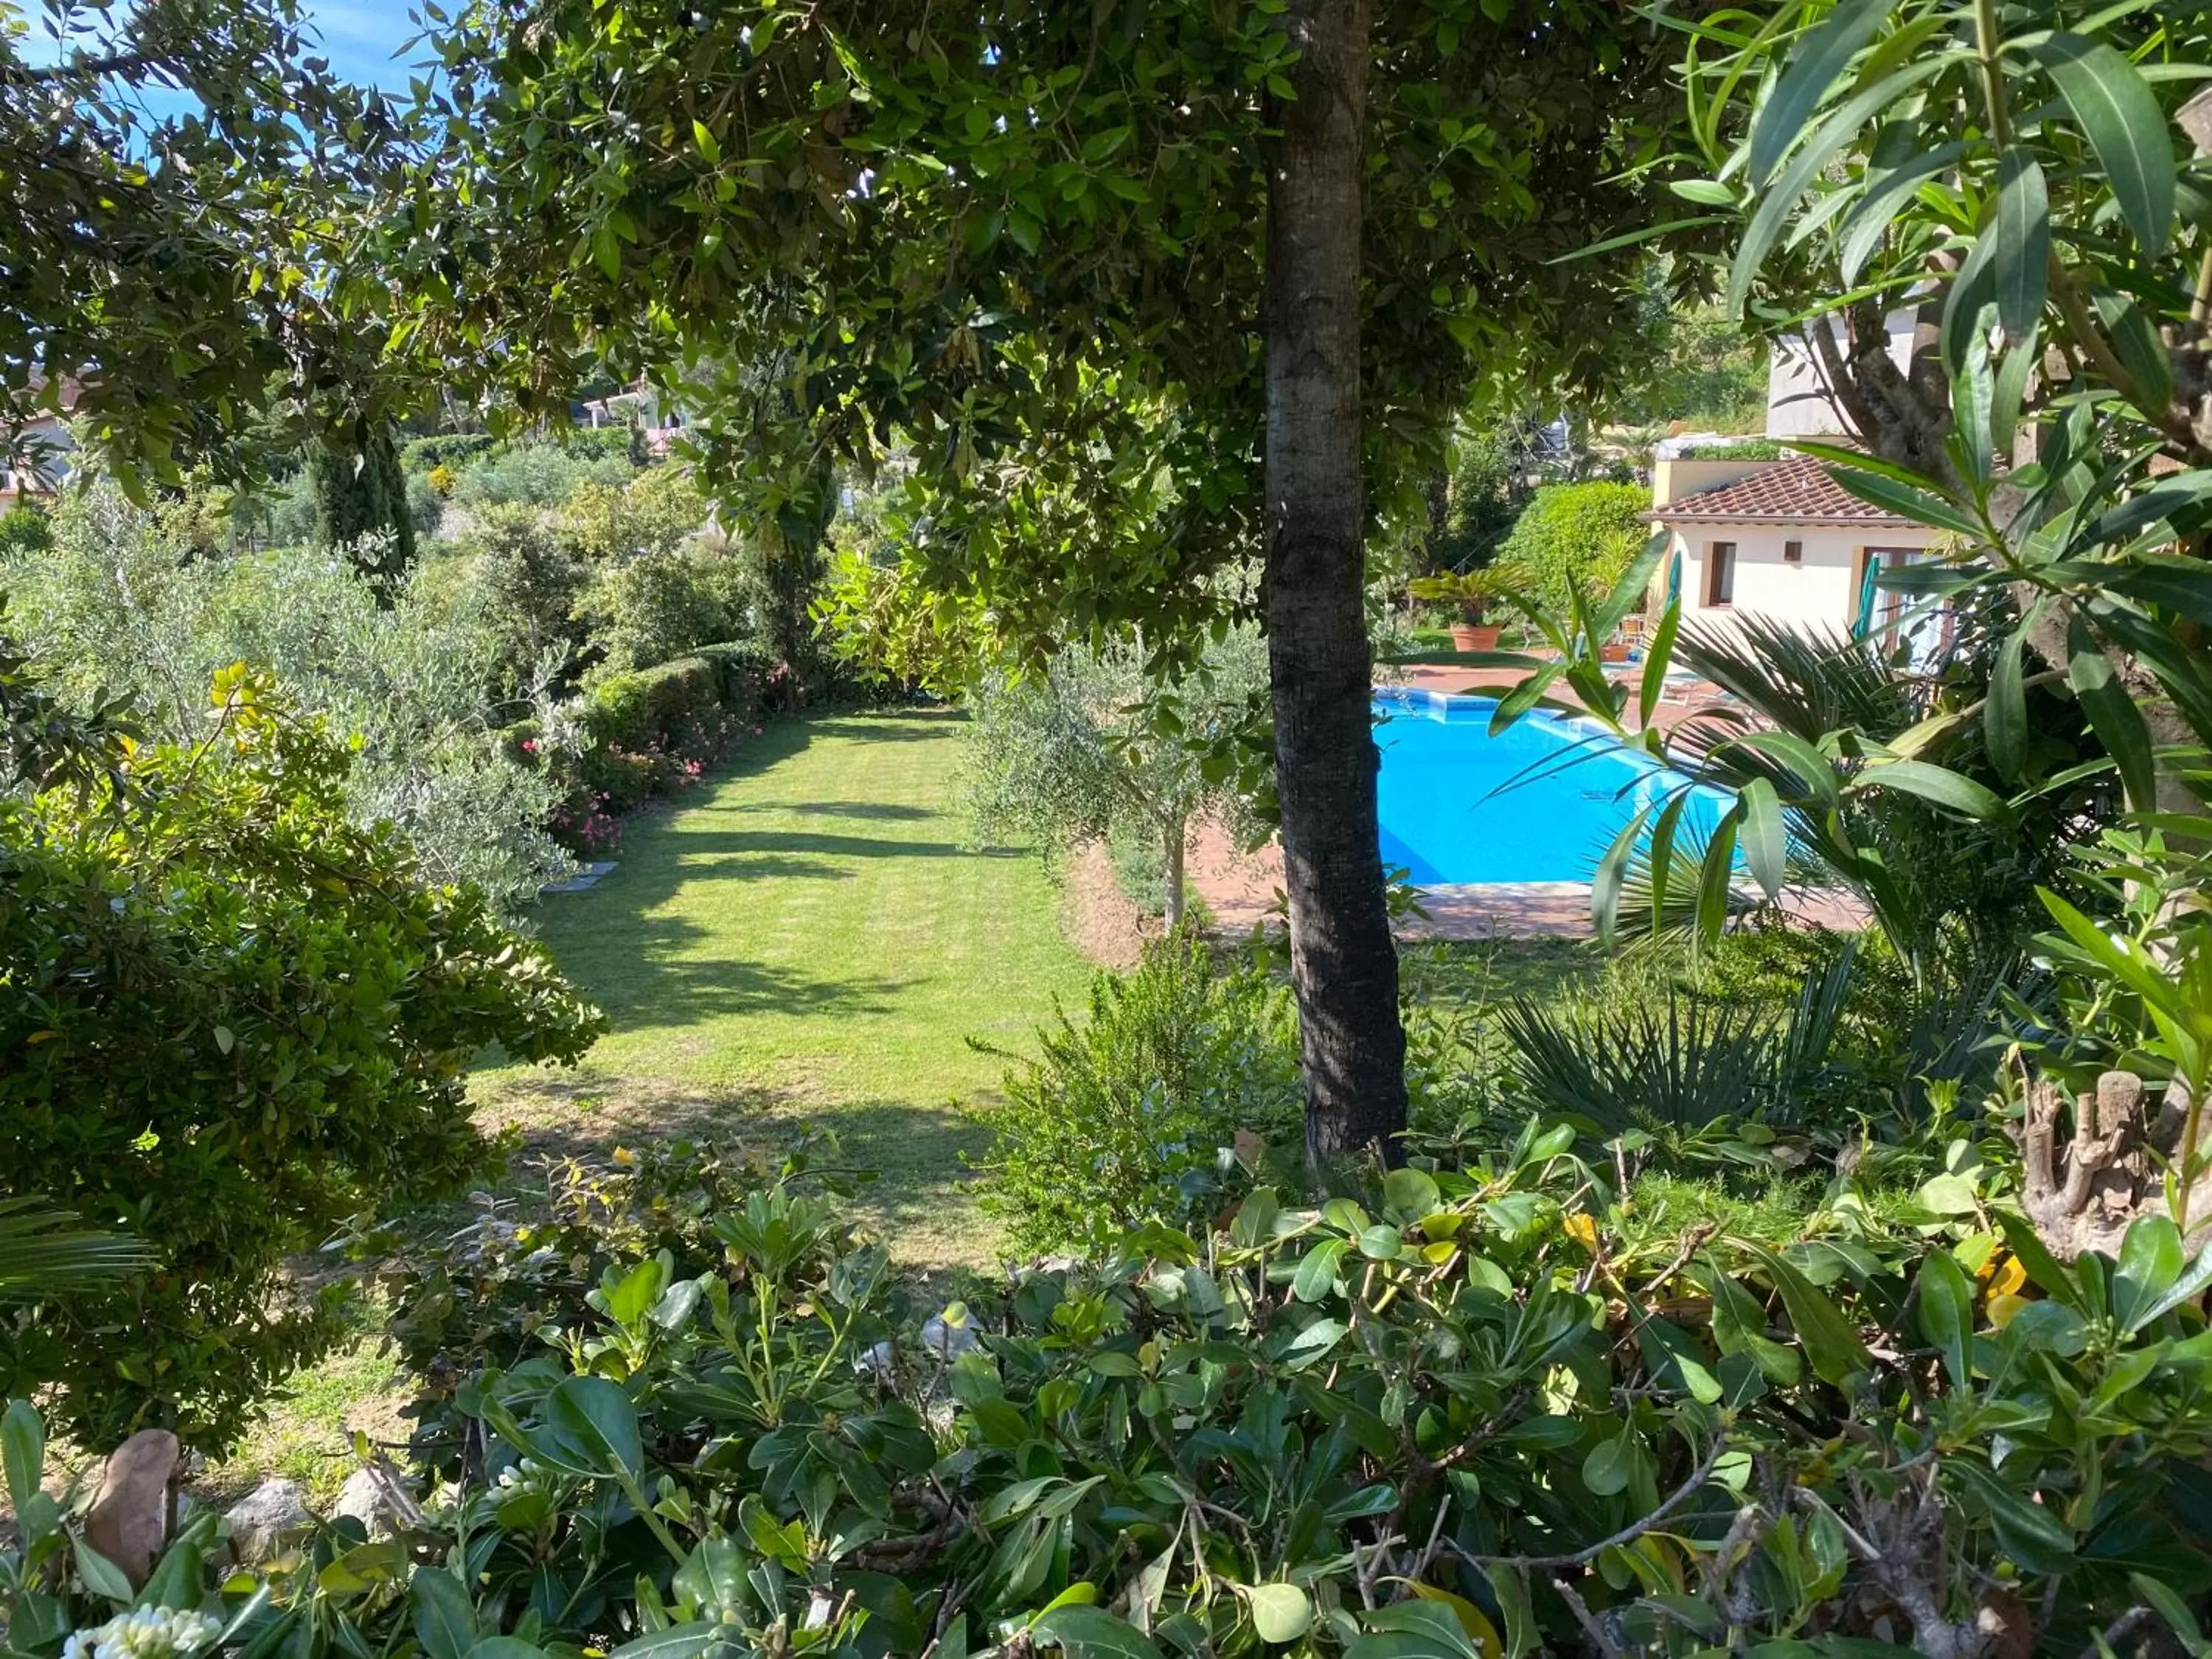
(1946, 1312)
(676, 1642)
(2151, 1261)
(2004, 716)
(1409, 1192)
(2029, 1531)
(1658, 657)
(2161, 1599)
(1740, 1327)
(710, 151)
(1832, 1345)
(1317, 1273)
(23, 1451)
(1908, 501)
(179, 1578)
(505, 1647)
(1814, 66)
(2118, 111)
(1084, 1632)
(1937, 784)
(445, 1617)
(1713, 879)
(98, 1574)
(591, 1423)
(1766, 838)
(1281, 1613)
(2113, 714)
(2045, 1271)
(1611, 870)
(2023, 237)
(1610, 1465)
(2192, 1284)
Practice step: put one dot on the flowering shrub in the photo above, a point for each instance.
(639, 737)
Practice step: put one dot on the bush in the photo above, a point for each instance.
(1128, 1114)
(1491, 1410)
(654, 512)
(536, 474)
(409, 668)
(1577, 537)
(656, 606)
(532, 582)
(24, 531)
(452, 450)
(234, 1019)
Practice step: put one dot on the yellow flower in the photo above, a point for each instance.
(2008, 1278)
(622, 1155)
(1582, 1228)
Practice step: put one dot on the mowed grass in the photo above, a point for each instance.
(810, 939)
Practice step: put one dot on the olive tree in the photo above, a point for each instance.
(1092, 745)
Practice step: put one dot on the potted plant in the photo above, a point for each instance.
(1472, 592)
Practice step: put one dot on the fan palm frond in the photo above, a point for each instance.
(44, 1249)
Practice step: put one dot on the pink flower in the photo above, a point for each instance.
(530, 745)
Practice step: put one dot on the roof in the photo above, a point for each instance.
(1798, 490)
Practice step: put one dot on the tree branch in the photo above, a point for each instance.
(1627, 1534)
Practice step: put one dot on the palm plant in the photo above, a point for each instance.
(1680, 1073)
(46, 1251)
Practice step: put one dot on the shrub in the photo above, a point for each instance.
(654, 512)
(1577, 537)
(1462, 1412)
(658, 606)
(24, 531)
(536, 474)
(1128, 1114)
(532, 582)
(408, 668)
(234, 1018)
(450, 450)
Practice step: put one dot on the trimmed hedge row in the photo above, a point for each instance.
(658, 705)
(652, 734)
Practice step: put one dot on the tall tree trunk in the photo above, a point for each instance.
(1343, 963)
(1171, 882)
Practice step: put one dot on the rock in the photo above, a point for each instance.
(364, 1498)
(949, 1334)
(129, 1522)
(269, 1520)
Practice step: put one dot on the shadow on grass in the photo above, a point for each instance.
(920, 1152)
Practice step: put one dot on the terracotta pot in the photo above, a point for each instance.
(1474, 636)
(1614, 650)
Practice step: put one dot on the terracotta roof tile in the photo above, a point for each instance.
(1796, 491)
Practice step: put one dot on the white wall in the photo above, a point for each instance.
(1822, 592)
(1797, 401)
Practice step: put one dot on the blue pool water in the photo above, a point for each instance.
(1445, 819)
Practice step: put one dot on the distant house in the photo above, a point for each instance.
(1778, 539)
(36, 461)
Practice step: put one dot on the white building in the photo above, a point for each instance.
(1779, 537)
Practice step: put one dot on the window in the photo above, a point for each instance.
(1792, 552)
(1720, 574)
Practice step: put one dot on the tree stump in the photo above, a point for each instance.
(2083, 1195)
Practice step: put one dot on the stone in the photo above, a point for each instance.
(129, 1522)
(363, 1498)
(269, 1520)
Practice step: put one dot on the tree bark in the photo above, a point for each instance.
(1343, 964)
(1171, 882)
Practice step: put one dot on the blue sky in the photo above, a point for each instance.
(361, 39)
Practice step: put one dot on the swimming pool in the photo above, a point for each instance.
(1444, 821)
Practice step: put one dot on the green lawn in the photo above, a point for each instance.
(808, 940)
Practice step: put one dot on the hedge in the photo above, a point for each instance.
(1578, 535)
(656, 705)
(456, 449)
